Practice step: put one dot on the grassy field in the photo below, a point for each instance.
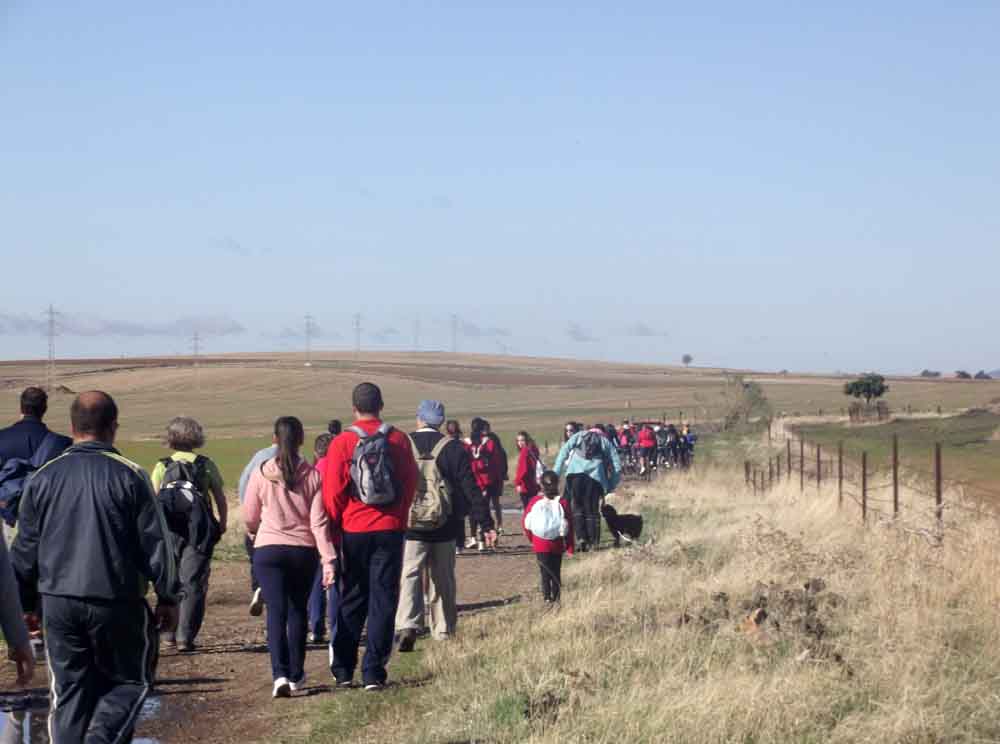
(866, 635)
(239, 396)
(970, 446)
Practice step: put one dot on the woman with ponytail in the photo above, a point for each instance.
(284, 513)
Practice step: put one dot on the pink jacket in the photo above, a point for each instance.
(278, 516)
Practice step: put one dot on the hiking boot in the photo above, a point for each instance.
(257, 603)
(282, 688)
(345, 684)
(374, 686)
(186, 646)
(316, 638)
(407, 639)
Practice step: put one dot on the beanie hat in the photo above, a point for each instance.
(431, 412)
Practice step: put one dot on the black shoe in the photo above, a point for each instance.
(374, 686)
(407, 639)
(186, 646)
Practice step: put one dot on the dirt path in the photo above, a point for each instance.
(221, 693)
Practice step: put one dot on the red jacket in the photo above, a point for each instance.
(346, 510)
(526, 480)
(487, 464)
(647, 437)
(559, 545)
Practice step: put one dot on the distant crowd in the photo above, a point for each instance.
(363, 536)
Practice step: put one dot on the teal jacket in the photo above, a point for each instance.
(606, 470)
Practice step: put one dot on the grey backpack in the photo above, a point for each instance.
(371, 467)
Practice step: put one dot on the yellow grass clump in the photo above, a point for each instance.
(774, 618)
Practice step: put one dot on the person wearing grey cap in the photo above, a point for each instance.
(446, 494)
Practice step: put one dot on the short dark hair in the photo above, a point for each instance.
(94, 413)
(334, 427)
(367, 398)
(322, 444)
(550, 483)
(34, 402)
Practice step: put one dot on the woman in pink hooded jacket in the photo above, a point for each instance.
(284, 514)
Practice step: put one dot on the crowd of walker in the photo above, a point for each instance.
(363, 537)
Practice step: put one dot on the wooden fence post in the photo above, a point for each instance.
(802, 464)
(864, 487)
(840, 474)
(769, 430)
(895, 476)
(938, 491)
(746, 472)
(770, 472)
(819, 469)
(789, 443)
(777, 469)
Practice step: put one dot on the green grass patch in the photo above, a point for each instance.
(969, 450)
(347, 713)
(229, 455)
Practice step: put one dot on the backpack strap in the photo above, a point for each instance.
(416, 450)
(384, 429)
(359, 431)
(439, 447)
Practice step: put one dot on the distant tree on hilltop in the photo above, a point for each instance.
(983, 375)
(867, 386)
(930, 373)
(687, 359)
(963, 375)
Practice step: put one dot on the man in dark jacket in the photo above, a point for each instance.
(25, 447)
(91, 534)
(433, 550)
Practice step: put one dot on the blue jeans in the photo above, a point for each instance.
(323, 605)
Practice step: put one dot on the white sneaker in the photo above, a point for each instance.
(257, 603)
(480, 546)
(282, 688)
(470, 542)
(296, 686)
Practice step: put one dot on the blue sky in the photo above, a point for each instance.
(770, 185)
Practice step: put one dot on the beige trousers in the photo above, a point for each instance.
(438, 559)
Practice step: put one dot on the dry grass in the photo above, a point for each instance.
(900, 642)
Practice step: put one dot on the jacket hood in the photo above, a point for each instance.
(272, 472)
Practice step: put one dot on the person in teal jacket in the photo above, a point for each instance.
(593, 470)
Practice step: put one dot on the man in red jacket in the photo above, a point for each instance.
(372, 543)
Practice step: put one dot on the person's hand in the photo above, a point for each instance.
(33, 624)
(24, 657)
(490, 538)
(166, 617)
(330, 572)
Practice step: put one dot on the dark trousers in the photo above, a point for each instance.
(248, 545)
(102, 660)
(373, 566)
(324, 604)
(286, 576)
(493, 495)
(585, 494)
(194, 569)
(550, 566)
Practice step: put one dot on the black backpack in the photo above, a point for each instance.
(185, 504)
(590, 446)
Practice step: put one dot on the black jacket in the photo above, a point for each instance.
(90, 527)
(504, 464)
(453, 462)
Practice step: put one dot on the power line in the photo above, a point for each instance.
(51, 332)
(310, 328)
(196, 352)
(416, 334)
(454, 333)
(357, 333)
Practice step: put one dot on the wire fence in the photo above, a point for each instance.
(918, 499)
